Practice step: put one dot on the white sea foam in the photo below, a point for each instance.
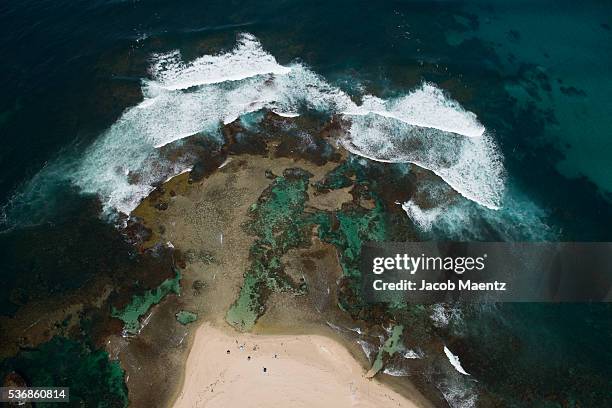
(413, 354)
(424, 219)
(470, 165)
(443, 314)
(454, 360)
(248, 59)
(287, 114)
(182, 99)
(458, 393)
(368, 349)
(426, 106)
(520, 219)
(396, 371)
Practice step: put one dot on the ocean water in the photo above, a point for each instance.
(186, 98)
(505, 101)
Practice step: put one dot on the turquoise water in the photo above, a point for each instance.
(535, 74)
(93, 379)
(576, 60)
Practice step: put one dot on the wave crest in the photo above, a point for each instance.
(470, 165)
(182, 99)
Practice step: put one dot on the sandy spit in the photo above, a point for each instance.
(230, 369)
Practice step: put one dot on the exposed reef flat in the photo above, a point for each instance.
(264, 233)
(264, 237)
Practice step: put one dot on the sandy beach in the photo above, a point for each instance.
(231, 369)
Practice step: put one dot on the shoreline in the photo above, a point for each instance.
(207, 221)
(275, 370)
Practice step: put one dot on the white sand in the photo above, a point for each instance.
(301, 371)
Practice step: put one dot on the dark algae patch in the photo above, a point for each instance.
(93, 379)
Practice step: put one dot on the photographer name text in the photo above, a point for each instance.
(410, 265)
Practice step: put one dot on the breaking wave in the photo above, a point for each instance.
(425, 107)
(457, 394)
(454, 360)
(248, 59)
(470, 165)
(519, 219)
(183, 99)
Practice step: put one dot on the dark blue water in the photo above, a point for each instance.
(536, 74)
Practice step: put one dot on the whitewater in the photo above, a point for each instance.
(424, 127)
